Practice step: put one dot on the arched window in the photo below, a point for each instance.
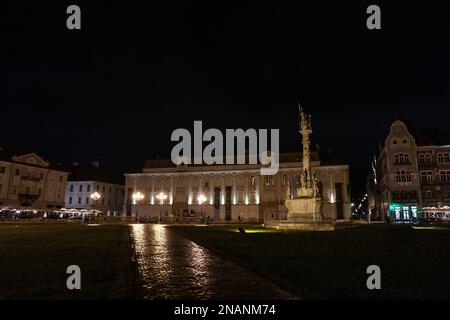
(443, 157)
(421, 159)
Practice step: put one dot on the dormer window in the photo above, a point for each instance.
(394, 142)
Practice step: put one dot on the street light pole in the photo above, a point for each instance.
(137, 196)
(95, 196)
(201, 199)
(161, 197)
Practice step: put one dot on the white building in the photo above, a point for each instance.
(84, 181)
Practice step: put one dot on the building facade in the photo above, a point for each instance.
(230, 192)
(413, 173)
(28, 181)
(86, 180)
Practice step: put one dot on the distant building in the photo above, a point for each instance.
(85, 180)
(231, 192)
(413, 173)
(28, 181)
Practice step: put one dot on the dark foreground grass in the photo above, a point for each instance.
(332, 265)
(34, 258)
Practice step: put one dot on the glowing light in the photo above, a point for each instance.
(95, 196)
(257, 197)
(161, 197)
(201, 198)
(152, 198)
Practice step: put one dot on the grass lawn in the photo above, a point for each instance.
(414, 263)
(34, 258)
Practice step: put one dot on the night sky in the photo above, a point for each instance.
(117, 88)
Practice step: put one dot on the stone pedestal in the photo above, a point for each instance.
(304, 210)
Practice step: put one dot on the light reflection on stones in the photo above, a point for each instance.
(173, 267)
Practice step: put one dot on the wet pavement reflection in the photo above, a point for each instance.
(173, 267)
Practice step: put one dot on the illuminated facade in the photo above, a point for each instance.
(413, 173)
(230, 192)
(28, 181)
(84, 181)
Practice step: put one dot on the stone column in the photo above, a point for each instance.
(234, 194)
(190, 197)
(211, 190)
(246, 189)
(152, 195)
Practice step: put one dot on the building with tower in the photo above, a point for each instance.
(413, 174)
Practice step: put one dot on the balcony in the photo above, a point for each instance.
(30, 178)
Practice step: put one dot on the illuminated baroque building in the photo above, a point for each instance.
(28, 181)
(230, 192)
(413, 173)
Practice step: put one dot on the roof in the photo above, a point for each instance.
(92, 172)
(9, 154)
(324, 158)
(429, 136)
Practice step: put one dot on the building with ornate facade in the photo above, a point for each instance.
(167, 192)
(413, 173)
(28, 181)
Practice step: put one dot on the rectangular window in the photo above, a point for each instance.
(2, 170)
(445, 176)
(403, 176)
(426, 176)
(81, 188)
(71, 188)
(60, 178)
(17, 172)
(88, 188)
(428, 194)
(1, 187)
(14, 190)
(396, 196)
(70, 200)
(406, 213)
(87, 200)
(79, 200)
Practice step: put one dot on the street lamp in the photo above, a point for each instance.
(161, 197)
(201, 199)
(95, 196)
(137, 196)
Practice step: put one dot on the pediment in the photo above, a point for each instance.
(31, 159)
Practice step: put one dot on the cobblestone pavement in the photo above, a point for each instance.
(173, 267)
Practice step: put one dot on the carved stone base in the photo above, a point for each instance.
(304, 210)
(305, 192)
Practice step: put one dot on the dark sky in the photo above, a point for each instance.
(138, 70)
